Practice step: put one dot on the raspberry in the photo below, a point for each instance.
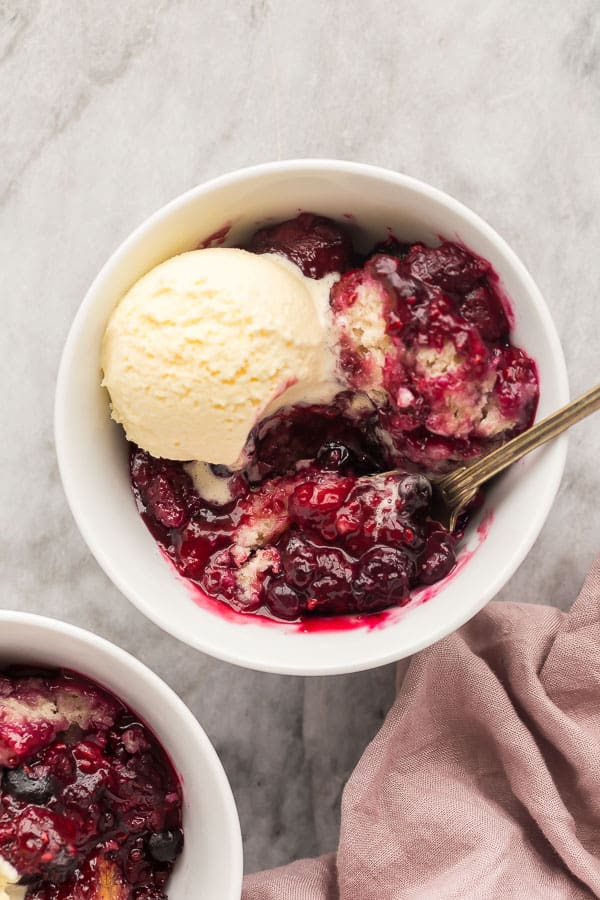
(344, 292)
(517, 385)
(163, 487)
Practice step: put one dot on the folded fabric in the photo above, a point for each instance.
(484, 781)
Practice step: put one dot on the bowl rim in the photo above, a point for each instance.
(213, 765)
(244, 655)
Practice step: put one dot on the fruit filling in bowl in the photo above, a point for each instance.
(407, 366)
(90, 807)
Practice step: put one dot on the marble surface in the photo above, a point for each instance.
(110, 109)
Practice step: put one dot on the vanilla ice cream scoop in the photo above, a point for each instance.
(9, 889)
(209, 342)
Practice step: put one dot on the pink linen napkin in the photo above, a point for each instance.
(484, 781)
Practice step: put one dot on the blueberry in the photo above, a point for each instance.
(299, 562)
(414, 492)
(220, 471)
(333, 455)
(165, 846)
(282, 600)
(29, 788)
(391, 247)
(106, 821)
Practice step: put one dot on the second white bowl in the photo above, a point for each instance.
(210, 867)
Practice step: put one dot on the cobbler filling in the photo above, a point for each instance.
(315, 524)
(90, 807)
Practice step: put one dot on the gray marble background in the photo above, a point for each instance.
(109, 108)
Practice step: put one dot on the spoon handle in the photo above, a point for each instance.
(463, 482)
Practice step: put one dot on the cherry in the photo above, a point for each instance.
(331, 588)
(299, 561)
(448, 266)
(283, 601)
(195, 546)
(383, 577)
(43, 841)
(438, 557)
(315, 244)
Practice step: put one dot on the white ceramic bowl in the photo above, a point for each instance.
(91, 449)
(210, 867)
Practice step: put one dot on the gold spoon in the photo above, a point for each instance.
(451, 493)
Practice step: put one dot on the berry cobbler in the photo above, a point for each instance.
(268, 391)
(90, 807)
